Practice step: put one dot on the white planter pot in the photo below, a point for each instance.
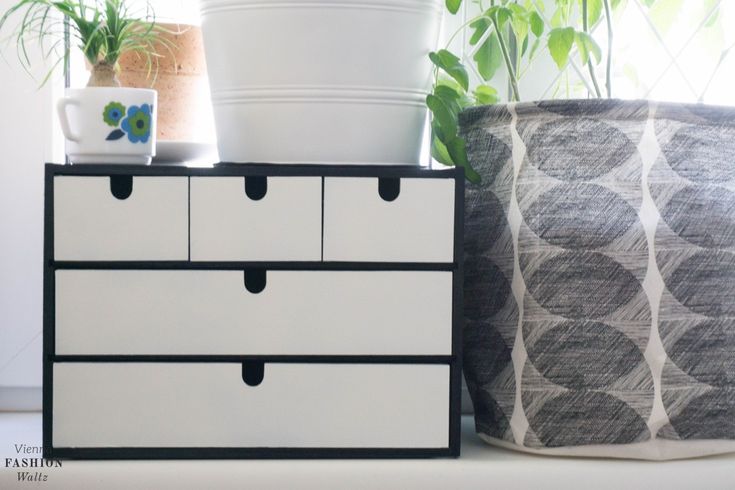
(327, 81)
(109, 124)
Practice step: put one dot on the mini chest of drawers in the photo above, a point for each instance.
(252, 311)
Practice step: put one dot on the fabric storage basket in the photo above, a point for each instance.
(600, 278)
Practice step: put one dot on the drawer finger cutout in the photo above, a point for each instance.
(121, 218)
(256, 218)
(389, 220)
(211, 405)
(253, 312)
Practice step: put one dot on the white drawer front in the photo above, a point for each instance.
(417, 226)
(212, 312)
(283, 225)
(209, 405)
(90, 223)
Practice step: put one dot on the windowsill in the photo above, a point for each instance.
(480, 466)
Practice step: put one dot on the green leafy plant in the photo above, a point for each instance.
(510, 35)
(102, 29)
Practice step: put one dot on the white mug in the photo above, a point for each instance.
(109, 124)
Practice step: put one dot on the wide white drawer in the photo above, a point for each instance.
(210, 405)
(256, 218)
(215, 312)
(147, 219)
(363, 223)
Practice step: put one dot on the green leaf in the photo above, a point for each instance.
(444, 117)
(453, 96)
(502, 15)
(486, 95)
(453, 5)
(519, 22)
(664, 13)
(708, 6)
(594, 11)
(558, 19)
(489, 57)
(448, 92)
(563, 4)
(534, 47)
(587, 46)
(480, 26)
(450, 97)
(451, 83)
(439, 151)
(471, 175)
(560, 44)
(458, 151)
(538, 6)
(451, 65)
(537, 24)
(524, 48)
(462, 99)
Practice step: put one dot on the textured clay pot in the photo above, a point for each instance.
(600, 277)
(184, 112)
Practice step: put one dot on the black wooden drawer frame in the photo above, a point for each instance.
(121, 178)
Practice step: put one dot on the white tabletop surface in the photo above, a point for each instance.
(480, 466)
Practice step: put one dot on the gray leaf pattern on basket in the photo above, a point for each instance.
(490, 307)
(582, 254)
(693, 184)
(589, 204)
(590, 213)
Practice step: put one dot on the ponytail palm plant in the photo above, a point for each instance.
(102, 29)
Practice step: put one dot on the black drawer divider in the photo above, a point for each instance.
(270, 170)
(106, 453)
(310, 266)
(268, 359)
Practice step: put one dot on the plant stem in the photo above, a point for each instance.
(102, 74)
(514, 52)
(585, 28)
(608, 69)
(508, 62)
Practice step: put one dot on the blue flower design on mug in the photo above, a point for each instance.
(113, 112)
(137, 124)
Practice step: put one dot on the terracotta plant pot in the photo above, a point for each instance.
(184, 112)
(599, 278)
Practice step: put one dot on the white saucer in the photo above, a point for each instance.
(173, 152)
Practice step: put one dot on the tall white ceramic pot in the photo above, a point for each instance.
(333, 81)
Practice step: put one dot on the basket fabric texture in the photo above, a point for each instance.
(600, 277)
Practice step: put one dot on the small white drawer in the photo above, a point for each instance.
(256, 218)
(121, 218)
(210, 405)
(200, 312)
(408, 220)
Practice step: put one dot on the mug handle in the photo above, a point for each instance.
(61, 106)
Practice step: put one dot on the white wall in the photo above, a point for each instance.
(29, 137)
(26, 142)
